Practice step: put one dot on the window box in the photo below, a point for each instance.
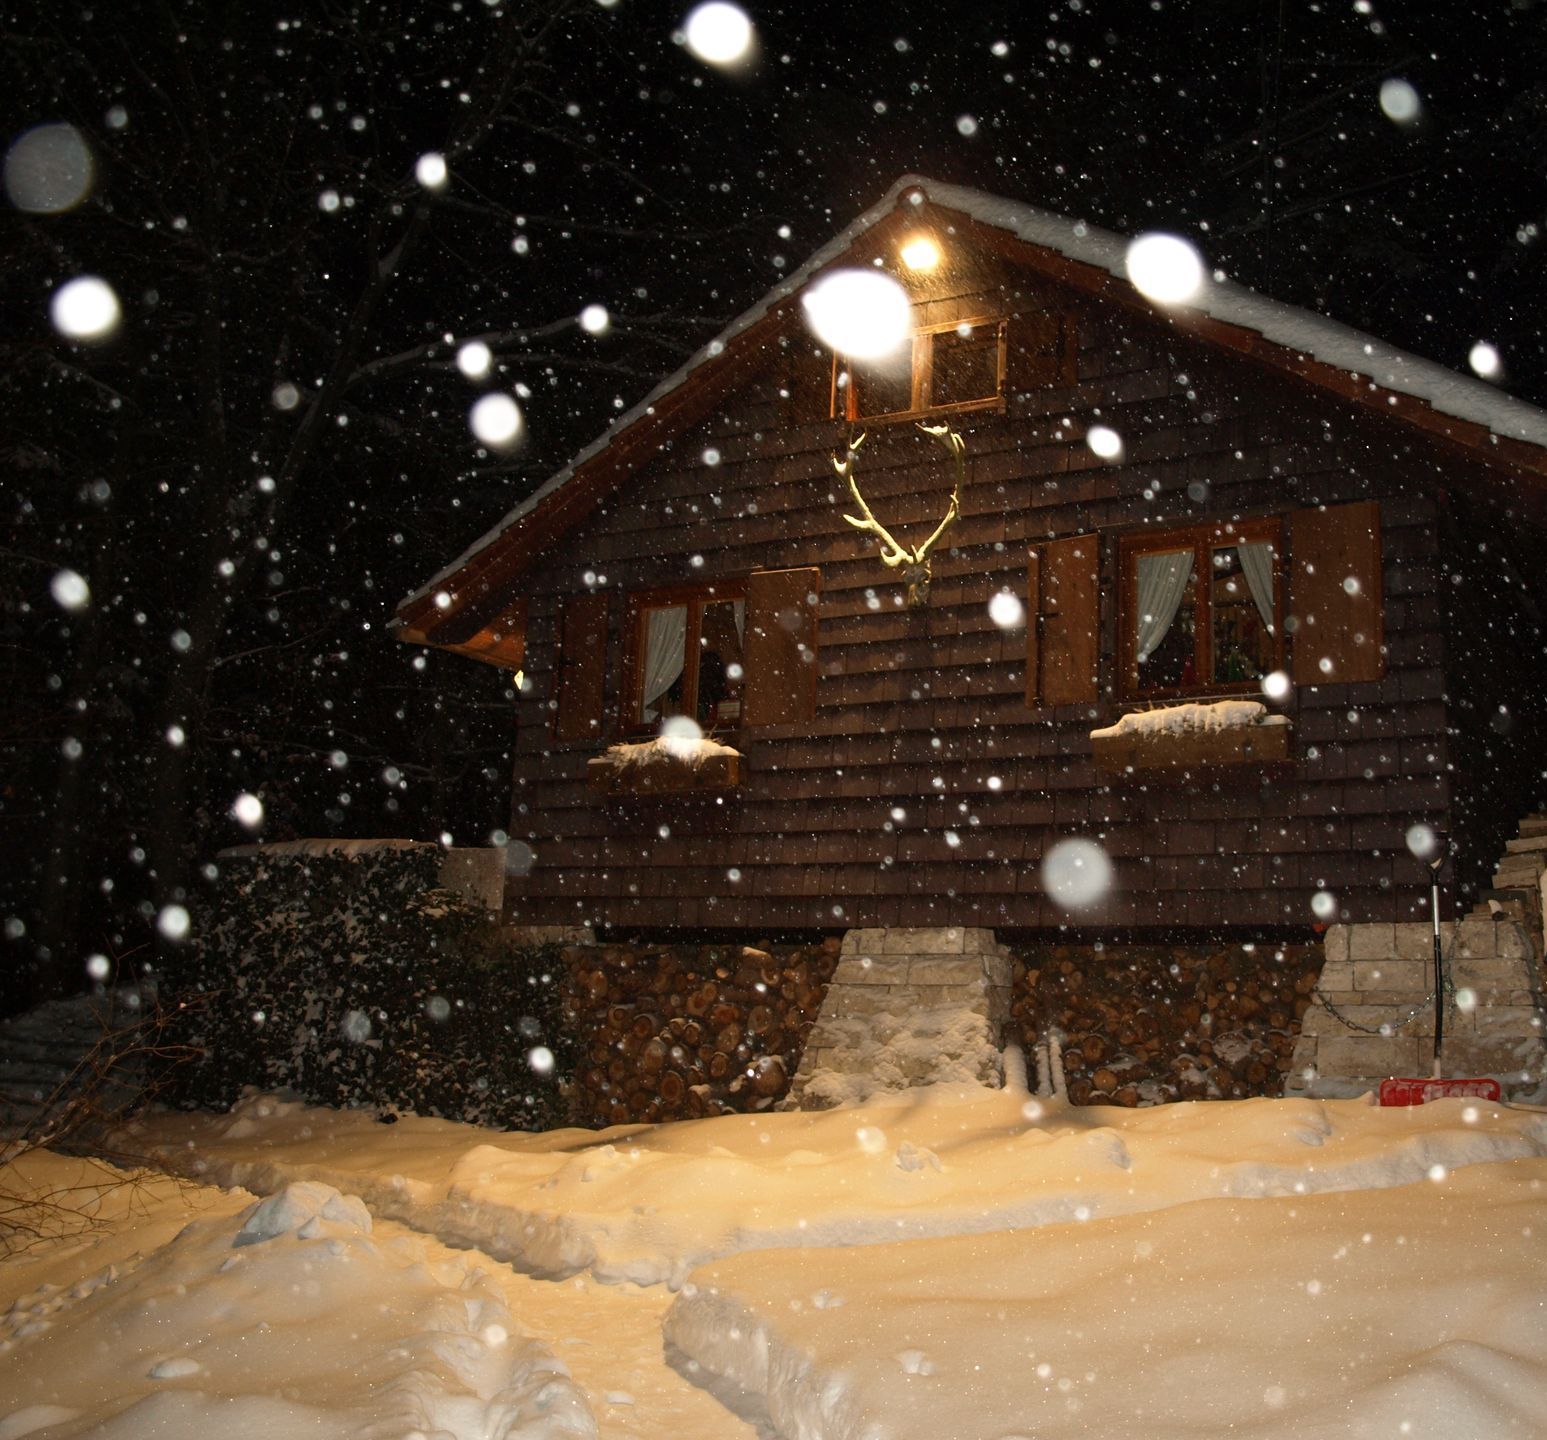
(1192, 737)
(666, 767)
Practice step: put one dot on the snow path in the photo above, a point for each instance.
(1413, 1313)
(150, 1266)
(649, 1204)
(1271, 1269)
(290, 1315)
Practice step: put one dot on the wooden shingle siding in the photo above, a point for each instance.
(582, 669)
(925, 712)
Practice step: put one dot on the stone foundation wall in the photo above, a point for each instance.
(907, 1007)
(1372, 1015)
(1150, 1024)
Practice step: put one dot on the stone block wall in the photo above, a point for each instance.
(907, 1007)
(1372, 1014)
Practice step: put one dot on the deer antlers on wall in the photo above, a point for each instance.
(915, 561)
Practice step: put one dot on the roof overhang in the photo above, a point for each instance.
(470, 606)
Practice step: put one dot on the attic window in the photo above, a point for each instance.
(953, 367)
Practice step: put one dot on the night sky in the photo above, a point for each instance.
(272, 448)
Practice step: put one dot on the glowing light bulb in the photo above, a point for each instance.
(921, 253)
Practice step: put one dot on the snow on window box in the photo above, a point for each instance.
(1187, 737)
(665, 766)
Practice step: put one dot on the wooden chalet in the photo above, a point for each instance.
(1228, 500)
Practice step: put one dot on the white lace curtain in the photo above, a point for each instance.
(1163, 581)
(666, 636)
(1257, 566)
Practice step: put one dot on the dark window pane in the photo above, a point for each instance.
(663, 652)
(965, 367)
(882, 389)
(1241, 620)
(719, 665)
(1165, 626)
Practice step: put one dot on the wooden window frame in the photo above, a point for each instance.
(843, 404)
(1204, 538)
(695, 597)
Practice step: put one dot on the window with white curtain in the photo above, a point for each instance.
(685, 655)
(1201, 609)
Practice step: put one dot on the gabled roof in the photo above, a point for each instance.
(468, 596)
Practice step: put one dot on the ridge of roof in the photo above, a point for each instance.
(1341, 346)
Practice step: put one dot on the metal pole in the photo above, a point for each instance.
(1439, 974)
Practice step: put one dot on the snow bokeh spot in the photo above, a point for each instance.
(870, 1139)
(719, 33)
(1076, 873)
(1165, 268)
(70, 590)
(1006, 611)
(1104, 442)
(247, 809)
(859, 313)
(1485, 361)
(474, 359)
(431, 171)
(1276, 686)
(49, 169)
(496, 420)
(85, 308)
(1399, 101)
(173, 922)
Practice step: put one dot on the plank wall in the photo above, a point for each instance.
(924, 712)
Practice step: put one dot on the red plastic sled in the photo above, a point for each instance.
(1420, 1092)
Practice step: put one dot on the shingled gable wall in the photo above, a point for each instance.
(924, 711)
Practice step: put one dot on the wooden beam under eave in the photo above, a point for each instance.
(482, 588)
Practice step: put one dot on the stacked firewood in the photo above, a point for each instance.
(1144, 1025)
(677, 1032)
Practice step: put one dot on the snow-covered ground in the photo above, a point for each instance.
(952, 1262)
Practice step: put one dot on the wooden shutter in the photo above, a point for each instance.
(781, 647)
(1039, 353)
(1335, 594)
(1063, 632)
(582, 668)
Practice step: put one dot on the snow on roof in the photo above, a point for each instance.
(321, 846)
(1314, 335)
